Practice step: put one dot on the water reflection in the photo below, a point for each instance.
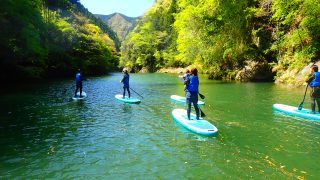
(44, 133)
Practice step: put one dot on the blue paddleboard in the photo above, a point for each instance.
(200, 126)
(126, 99)
(183, 99)
(77, 97)
(293, 110)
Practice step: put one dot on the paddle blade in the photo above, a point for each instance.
(300, 106)
(202, 114)
(202, 96)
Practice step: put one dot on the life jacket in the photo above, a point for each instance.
(125, 80)
(78, 77)
(187, 75)
(193, 86)
(316, 80)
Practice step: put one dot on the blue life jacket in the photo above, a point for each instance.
(316, 81)
(78, 77)
(193, 86)
(187, 75)
(125, 80)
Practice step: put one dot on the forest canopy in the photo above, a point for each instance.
(44, 38)
(244, 39)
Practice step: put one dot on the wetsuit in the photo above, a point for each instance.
(314, 83)
(125, 81)
(78, 84)
(192, 89)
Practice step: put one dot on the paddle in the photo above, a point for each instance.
(301, 104)
(202, 114)
(201, 96)
(136, 93)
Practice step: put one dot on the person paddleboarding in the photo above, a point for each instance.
(78, 83)
(314, 82)
(125, 81)
(192, 90)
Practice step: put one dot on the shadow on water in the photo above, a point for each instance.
(126, 108)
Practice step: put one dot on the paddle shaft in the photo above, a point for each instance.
(136, 93)
(305, 92)
(304, 97)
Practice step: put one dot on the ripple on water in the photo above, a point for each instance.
(48, 135)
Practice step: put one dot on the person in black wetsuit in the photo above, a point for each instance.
(78, 83)
(314, 83)
(125, 81)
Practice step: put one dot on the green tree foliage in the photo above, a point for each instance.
(52, 38)
(224, 36)
(152, 42)
(297, 38)
(20, 37)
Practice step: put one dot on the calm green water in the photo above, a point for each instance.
(45, 134)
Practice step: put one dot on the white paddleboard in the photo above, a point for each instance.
(77, 97)
(126, 99)
(200, 126)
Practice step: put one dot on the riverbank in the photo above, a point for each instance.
(254, 72)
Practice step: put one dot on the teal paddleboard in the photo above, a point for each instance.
(183, 99)
(200, 126)
(77, 97)
(126, 99)
(293, 110)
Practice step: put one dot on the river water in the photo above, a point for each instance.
(45, 134)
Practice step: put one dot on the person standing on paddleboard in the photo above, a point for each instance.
(125, 81)
(192, 90)
(78, 83)
(314, 83)
(186, 75)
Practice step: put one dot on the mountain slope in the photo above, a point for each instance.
(41, 39)
(119, 23)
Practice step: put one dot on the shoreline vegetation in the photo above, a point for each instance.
(245, 41)
(43, 39)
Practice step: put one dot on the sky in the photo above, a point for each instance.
(131, 8)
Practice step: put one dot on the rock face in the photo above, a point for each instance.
(255, 71)
(295, 77)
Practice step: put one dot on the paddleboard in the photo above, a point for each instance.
(183, 99)
(84, 95)
(293, 110)
(200, 126)
(126, 99)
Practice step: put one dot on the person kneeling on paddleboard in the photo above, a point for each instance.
(78, 83)
(314, 83)
(125, 81)
(192, 89)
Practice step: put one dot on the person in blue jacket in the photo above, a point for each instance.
(314, 83)
(186, 75)
(192, 90)
(78, 83)
(125, 81)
